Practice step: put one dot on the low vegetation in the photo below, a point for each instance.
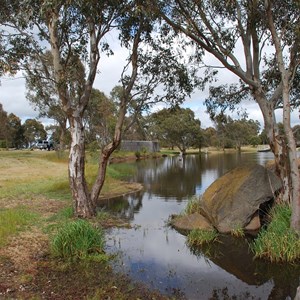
(78, 240)
(198, 237)
(192, 206)
(13, 220)
(36, 219)
(278, 242)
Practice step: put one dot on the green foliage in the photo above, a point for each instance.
(176, 126)
(199, 237)
(137, 154)
(62, 215)
(78, 240)
(192, 206)
(278, 242)
(12, 220)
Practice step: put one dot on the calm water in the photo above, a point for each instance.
(156, 254)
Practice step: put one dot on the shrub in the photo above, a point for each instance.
(137, 154)
(78, 240)
(278, 242)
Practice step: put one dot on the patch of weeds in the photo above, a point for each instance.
(193, 206)
(78, 240)
(199, 237)
(278, 242)
(13, 220)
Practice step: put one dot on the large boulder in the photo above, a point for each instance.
(190, 222)
(233, 200)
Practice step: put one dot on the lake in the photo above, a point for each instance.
(157, 255)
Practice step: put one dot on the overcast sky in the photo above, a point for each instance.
(13, 91)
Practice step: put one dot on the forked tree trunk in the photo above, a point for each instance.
(83, 206)
(108, 150)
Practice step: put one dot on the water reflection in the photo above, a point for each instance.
(156, 254)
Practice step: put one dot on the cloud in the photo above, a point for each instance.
(13, 97)
(13, 91)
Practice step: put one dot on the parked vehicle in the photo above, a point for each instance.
(44, 145)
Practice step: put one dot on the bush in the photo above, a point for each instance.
(278, 242)
(78, 240)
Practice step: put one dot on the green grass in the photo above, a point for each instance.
(120, 171)
(199, 237)
(193, 206)
(78, 240)
(13, 220)
(278, 242)
(62, 215)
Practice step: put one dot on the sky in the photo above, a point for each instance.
(13, 91)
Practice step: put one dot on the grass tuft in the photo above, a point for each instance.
(78, 240)
(278, 242)
(12, 220)
(199, 237)
(193, 206)
(238, 231)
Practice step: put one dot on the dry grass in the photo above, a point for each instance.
(36, 181)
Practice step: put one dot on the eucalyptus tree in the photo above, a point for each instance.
(16, 137)
(100, 118)
(3, 127)
(153, 73)
(76, 30)
(41, 88)
(177, 127)
(258, 41)
(33, 131)
(69, 29)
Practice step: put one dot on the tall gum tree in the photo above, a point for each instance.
(268, 37)
(287, 73)
(93, 23)
(79, 28)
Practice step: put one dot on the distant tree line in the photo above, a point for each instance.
(172, 127)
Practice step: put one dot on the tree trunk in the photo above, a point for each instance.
(62, 136)
(293, 164)
(83, 206)
(108, 150)
(277, 144)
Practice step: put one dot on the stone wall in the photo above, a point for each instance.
(134, 146)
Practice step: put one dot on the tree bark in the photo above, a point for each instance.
(107, 151)
(286, 74)
(83, 206)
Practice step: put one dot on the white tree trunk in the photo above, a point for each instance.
(83, 206)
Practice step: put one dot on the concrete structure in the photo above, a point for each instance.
(134, 146)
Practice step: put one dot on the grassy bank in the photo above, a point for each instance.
(36, 220)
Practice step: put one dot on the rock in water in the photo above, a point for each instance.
(233, 200)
